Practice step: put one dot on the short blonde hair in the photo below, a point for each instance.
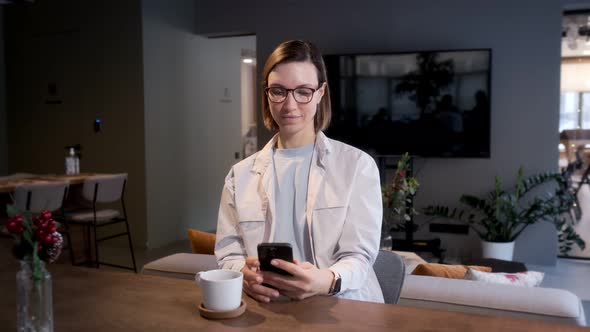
(298, 51)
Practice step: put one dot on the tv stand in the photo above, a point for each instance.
(409, 243)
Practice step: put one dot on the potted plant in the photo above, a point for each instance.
(37, 242)
(501, 216)
(397, 200)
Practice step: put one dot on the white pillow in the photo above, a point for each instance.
(527, 279)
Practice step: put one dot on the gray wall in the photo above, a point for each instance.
(575, 4)
(525, 40)
(3, 133)
(192, 119)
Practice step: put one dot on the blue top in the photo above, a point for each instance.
(291, 174)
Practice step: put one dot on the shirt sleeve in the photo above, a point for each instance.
(358, 245)
(229, 246)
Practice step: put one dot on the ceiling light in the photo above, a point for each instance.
(248, 60)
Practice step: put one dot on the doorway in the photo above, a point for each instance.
(193, 127)
(574, 119)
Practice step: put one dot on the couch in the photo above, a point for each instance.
(554, 305)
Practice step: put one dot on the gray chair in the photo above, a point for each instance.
(36, 197)
(391, 271)
(103, 189)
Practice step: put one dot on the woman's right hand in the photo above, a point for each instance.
(253, 282)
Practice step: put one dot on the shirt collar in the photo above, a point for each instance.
(322, 147)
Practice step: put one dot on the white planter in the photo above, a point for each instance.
(498, 250)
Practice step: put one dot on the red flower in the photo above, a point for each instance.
(48, 239)
(32, 235)
(18, 219)
(14, 228)
(45, 215)
(511, 277)
(15, 225)
(40, 234)
(51, 228)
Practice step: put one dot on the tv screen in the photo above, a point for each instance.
(430, 104)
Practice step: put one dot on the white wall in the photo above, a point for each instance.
(192, 119)
(248, 89)
(3, 131)
(575, 77)
(525, 40)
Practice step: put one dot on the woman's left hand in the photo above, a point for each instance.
(306, 279)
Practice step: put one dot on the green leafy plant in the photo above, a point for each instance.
(502, 216)
(425, 83)
(397, 197)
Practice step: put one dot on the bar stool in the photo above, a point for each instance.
(103, 189)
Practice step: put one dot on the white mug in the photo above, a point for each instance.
(222, 289)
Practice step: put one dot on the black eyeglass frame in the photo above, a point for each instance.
(292, 91)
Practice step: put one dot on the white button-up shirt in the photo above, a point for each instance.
(344, 213)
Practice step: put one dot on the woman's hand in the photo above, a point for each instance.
(306, 279)
(253, 282)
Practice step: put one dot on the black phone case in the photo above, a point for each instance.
(270, 251)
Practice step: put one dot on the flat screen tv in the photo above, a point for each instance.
(430, 104)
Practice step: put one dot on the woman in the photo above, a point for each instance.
(320, 195)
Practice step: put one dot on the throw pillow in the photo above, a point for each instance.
(411, 260)
(527, 279)
(201, 242)
(446, 271)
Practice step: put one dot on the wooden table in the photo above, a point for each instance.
(8, 184)
(97, 300)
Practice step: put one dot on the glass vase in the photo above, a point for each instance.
(34, 303)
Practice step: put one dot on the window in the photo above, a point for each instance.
(569, 107)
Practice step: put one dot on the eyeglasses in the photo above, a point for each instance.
(302, 95)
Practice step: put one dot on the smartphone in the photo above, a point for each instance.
(269, 251)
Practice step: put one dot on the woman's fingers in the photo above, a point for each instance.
(285, 283)
(252, 262)
(292, 268)
(256, 296)
(295, 295)
(266, 291)
(261, 293)
(252, 283)
(251, 276)
(305, 279)
(306, 265)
